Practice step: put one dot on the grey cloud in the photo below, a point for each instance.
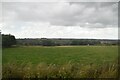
(59, 0)
(0, 12)
(64, 14)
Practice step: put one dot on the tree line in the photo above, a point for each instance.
(9, 40)
(64, 42)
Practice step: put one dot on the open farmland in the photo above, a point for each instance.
(60, 62)
(61, 55)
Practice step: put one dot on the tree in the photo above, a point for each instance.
(8, 40)
(47, 42)
(75, 42)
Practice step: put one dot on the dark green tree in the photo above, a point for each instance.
(47, 42)
(8, 40)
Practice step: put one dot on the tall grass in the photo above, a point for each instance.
(69, 70)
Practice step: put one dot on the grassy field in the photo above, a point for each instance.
(61, 55)
(60, 62)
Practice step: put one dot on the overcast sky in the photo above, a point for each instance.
(98, 20)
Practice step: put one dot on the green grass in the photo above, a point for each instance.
(60, 62)
(61, 55)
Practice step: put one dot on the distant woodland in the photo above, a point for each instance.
(9, 40)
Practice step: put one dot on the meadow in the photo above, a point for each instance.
(61, 60)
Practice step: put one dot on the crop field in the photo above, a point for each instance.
(60, 61)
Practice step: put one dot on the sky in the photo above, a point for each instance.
(91, 20)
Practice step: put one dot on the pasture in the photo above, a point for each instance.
(60, 62)
(60, 55)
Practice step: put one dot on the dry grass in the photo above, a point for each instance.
(69, 70)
